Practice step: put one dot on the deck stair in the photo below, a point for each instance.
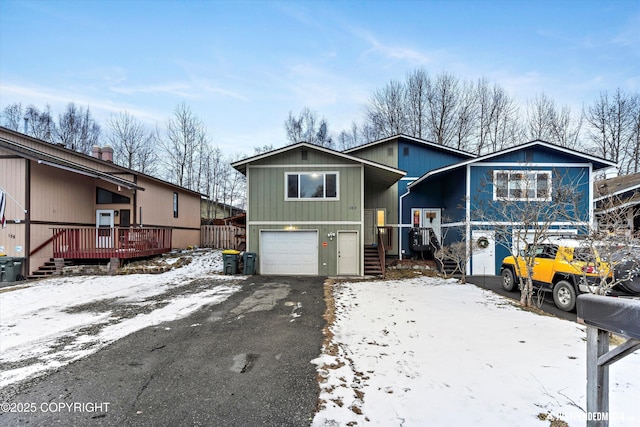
(372, 265)
(52, 267)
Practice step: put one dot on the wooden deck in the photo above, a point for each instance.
(105, 243)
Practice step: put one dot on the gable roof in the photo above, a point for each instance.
(415, 140)
(383, 173)
(52, 160)
(598, 162)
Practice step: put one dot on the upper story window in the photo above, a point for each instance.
(312, 185)
(175, 205)
(523, 185)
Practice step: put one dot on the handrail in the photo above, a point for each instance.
(45, 243)
(381, 251)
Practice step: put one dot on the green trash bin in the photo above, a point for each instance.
(13, 269)
(230, 260)
(3, 266)
(249, 259)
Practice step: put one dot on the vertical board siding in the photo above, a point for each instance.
(12, 181)
(267, 196)
(221, 236)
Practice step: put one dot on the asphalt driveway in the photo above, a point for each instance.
(494, 284)
(243, 362)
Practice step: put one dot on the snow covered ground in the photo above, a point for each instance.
(427, 351)
(409, 352)
(52, 322)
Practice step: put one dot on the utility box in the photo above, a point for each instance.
(249, 260)
(230, 260)
(10, 268)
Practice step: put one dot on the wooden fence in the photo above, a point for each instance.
(222, 237)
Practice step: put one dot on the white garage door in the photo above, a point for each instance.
(289, 252)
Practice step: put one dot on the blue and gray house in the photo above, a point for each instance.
(316, 211)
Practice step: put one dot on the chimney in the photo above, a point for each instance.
(107, 153)
(26, 125)
(96, 152)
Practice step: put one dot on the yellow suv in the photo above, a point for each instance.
(564, 267)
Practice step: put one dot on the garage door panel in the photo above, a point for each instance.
(289, 252)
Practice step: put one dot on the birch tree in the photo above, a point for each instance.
(133, 144)
(77, 130)
(183, 143)
(308, 127)
(612, 128)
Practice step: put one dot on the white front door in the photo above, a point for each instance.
(104, 228)
(483, 253)
(348, 253)
(370, 235)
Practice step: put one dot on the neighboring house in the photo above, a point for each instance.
(312, 211)
(461, 189)
(64, 204)
(615, 198)
(212, 211)
(415, 157)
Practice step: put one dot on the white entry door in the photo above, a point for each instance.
(483, 253)
(104, 228)
(348, 253)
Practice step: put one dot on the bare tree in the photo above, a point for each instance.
(132, 142)
(214, 175)
(264, 149)
(466, 118)
(634, 147)
(183, 144)
(418, 89)
(522, 208)
(386, 110)
(612, 124)
(610, 250)
(547, 122)
(540, 117)
(12, 116)
(308, 127)
(442, 101)
(40, 124)
(349, 139)
(567, 128)
(454, 253)
(77, 130)
(234, 190)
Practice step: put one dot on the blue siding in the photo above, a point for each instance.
(537, 154)
(421, 158)
(444, 191)
(574, 178)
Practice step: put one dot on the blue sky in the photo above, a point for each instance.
(242, 66)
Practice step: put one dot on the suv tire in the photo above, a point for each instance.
(508, 280)
(564, 295)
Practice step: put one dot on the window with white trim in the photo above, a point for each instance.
(311, 185)
(523, 185)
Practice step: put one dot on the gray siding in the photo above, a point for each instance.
(384, 153)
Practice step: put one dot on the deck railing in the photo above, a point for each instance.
(115, 242)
